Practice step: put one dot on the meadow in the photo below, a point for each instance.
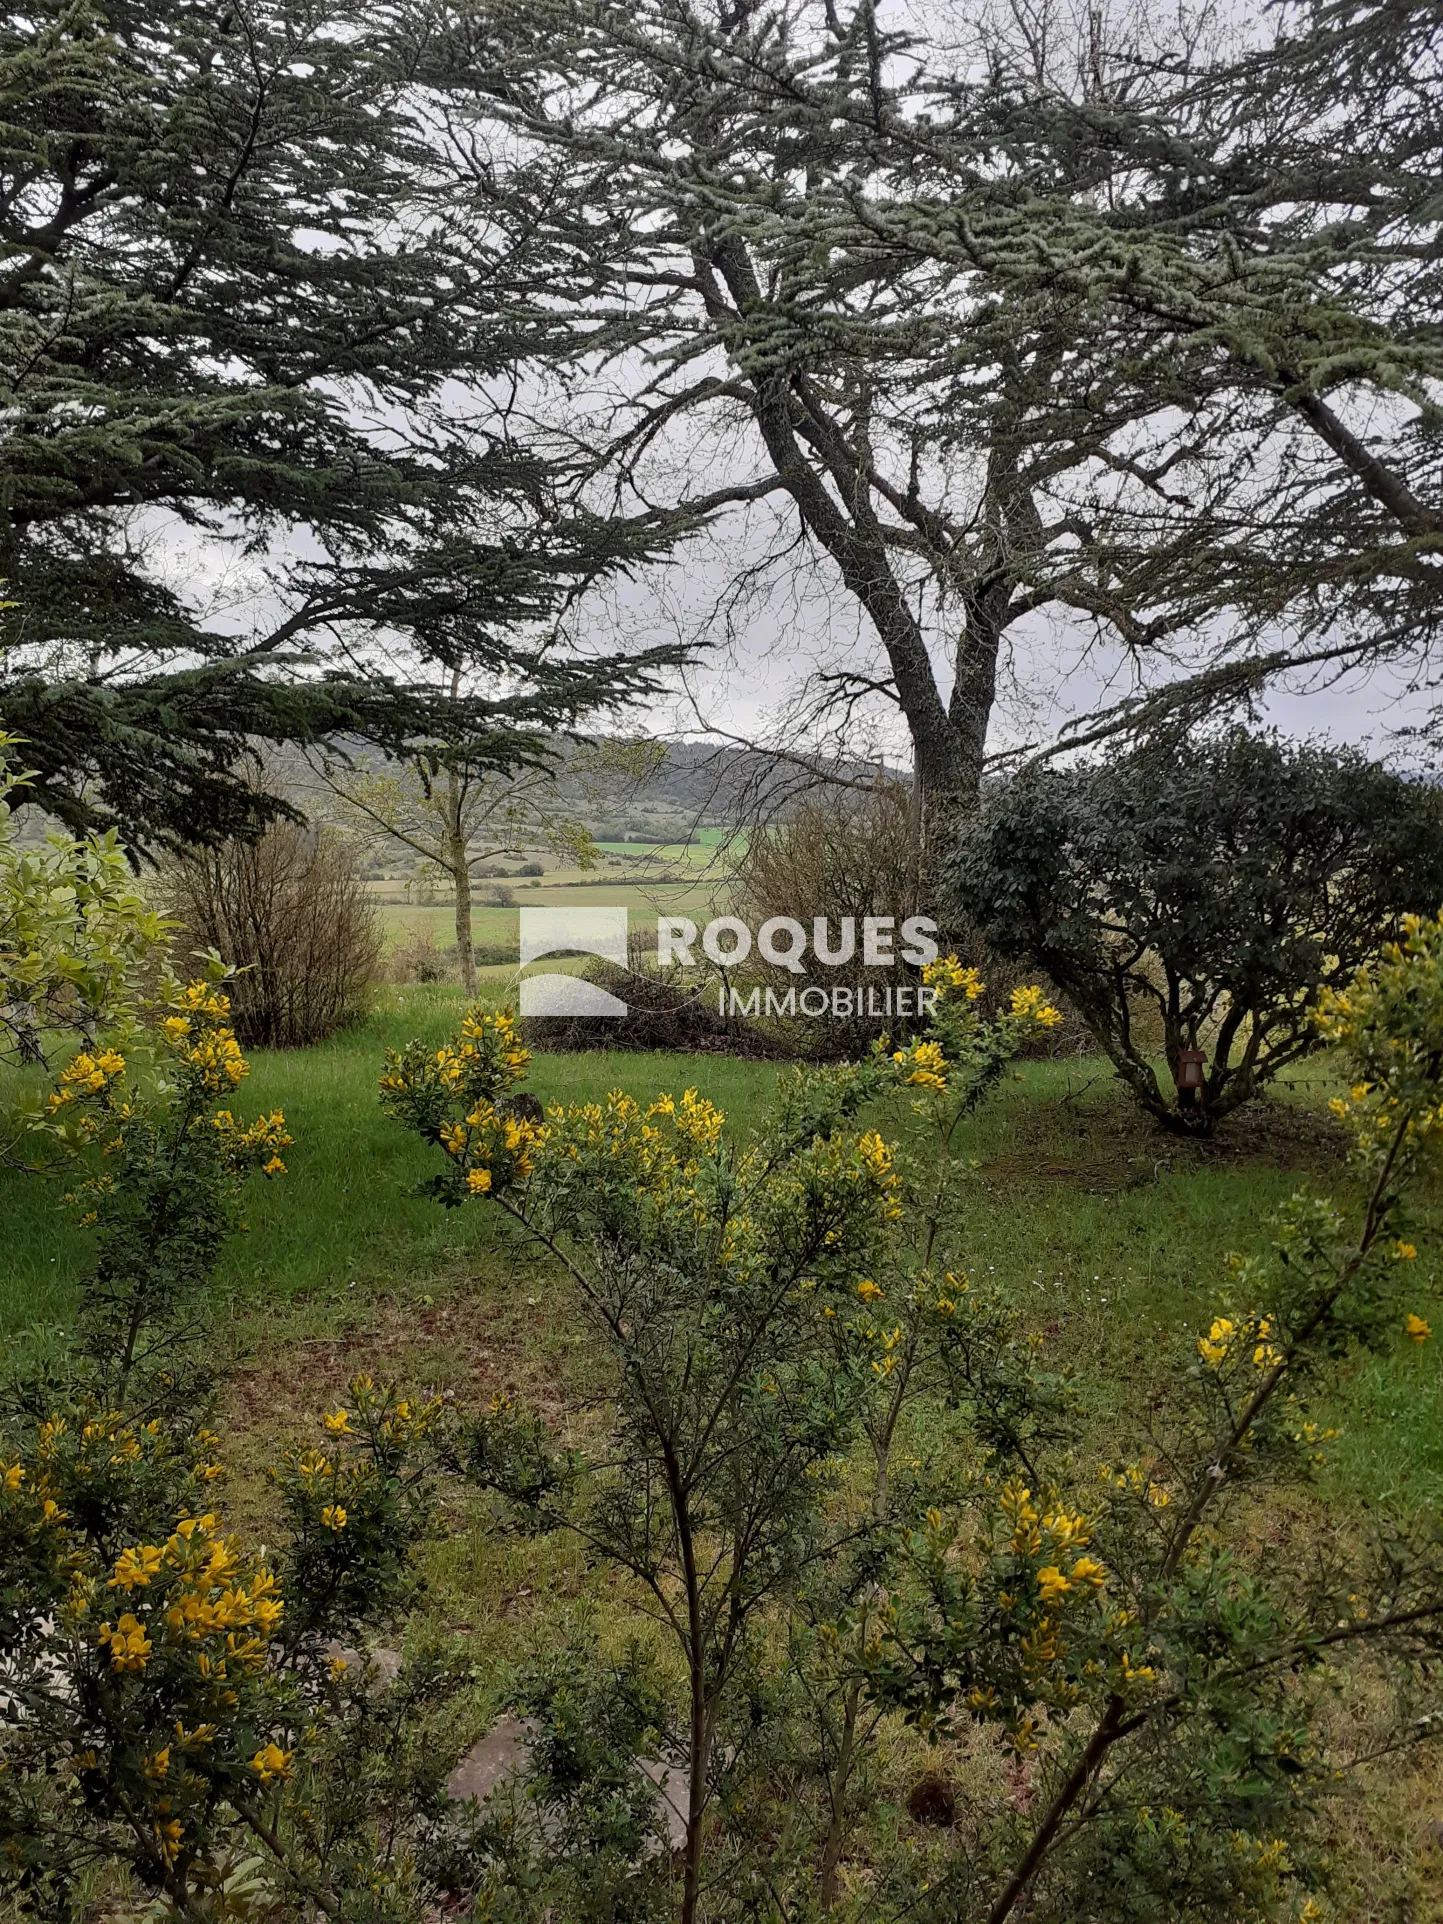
(675, 878)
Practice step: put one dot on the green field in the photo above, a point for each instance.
(493, 927)
(1110, 1237)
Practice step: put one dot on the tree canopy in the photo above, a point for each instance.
(253, 474)
(1137, 330)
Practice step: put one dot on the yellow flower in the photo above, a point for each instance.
(1030, 1005)
(948, 973)
(1089, 1570)
(1405, 1252)
(1213, 1347)
(338, 1422)
(14, 1476)
(927, 1064)
(129, 1645)
(478, 1181)
(1051, 1583)
(271, 1761)
(868, 1290)
(136, 1567)
(334, 1516)
(1418, 1330)
(275, 1167)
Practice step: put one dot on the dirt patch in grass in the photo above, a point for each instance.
(1106, 1145)
(468, 1347)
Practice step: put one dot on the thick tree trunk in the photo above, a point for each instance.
(856, 543)
(974, 690)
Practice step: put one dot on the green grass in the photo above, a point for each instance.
(1110, 1238)
(343, 1218)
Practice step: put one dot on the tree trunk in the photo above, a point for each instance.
(464, 946)
(856, 543)
(458, 863)
(699, 1760)
(975, 689)
(836, 1826)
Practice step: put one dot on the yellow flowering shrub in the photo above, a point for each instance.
(164, 1683)
(157, 1158)
(1168, 1679)
(964, 1053)
(141, 1642)
(355, 1505)
(714, 1272)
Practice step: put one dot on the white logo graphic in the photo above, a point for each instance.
(595, 931)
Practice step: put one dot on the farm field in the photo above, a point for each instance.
(680, 879)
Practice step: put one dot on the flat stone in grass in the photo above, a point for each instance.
(674, 1793)
(491, 1762)
(504, 1752)
(384, 1663)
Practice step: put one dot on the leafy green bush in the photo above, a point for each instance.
(76, 934)
(1219, 884)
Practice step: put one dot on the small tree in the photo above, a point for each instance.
(157, 1159)
(458, 811)
(733, 1286)
(1220, 884)
(290, 912)
(711, 1273)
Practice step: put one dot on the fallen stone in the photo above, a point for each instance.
(494, 1760)
(674, 1794)
(385, 1663)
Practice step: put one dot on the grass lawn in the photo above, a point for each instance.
(1110, 1238)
